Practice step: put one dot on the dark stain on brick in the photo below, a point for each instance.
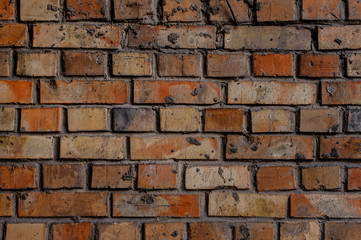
(355, 120)
(232, 150)
(169, 100)
(334, 153)
(123, 118)
(193, 141)
(173, 38)
(235, 196)
(300, 156)
(244, 232)
(175, 233)
(147, 199)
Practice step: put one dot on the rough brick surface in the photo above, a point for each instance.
(164, 231)
(86, 9)
(180, 120)
(13, 35)
(17, 177)
(225, 120)
(7, 119)
(6, 205)
(83, 63)
(208, 231)
(72, 231)
(16, 91)
(7, 10)
(56, 176)
(261, 230)
(182, 11)
(318, 178)
(273, 120)
(25, 231)
(354, 179)
(273, 65)
(111, 176)
(312, 65)
(133, 9)
(178, 65)
(133, 120)
(320, 120)
(37, 64)
(40, 10)
(157, 176)
(132, 64)
(40, 120)
(220, 11)
(300, 230)
(226, 65)
(321, 10)
(125, 231)
(276, 10)
(4, 64)
(276, 178)
(88, 119)
(339, 230)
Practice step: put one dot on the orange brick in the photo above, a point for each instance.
(13, 35)
(6, 205)
(7, 119)
(112, 176)
(86, 9)
(72, 231)
(312, 65)
(225, 120)
(209, 231)
(83, 63)
(226, 65)
(133, 9)
(56, 176)
(300, 230)
(342, 230)
(272, 120)
(16, 91)
(220, 12)
(133, 120)
(354, 8)
(4, 64)
(276, 178)
(164, 231)
(132, 64)
(340, 148)
(182, 11)
(255, 230)
(272, 65)
(25, 231)
(157, 176)
(124, 231)
(17, 177)
(40, 10)
(180, 120)
(354, 179)
(320, 120)
(276, 10)
(320, 178)
(40, 119)
(341, 93)
(321, 10)
(88, 119)
(178, 65)
(7, 8)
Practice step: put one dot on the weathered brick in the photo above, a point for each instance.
(76, 36)
(60, 204)
(134, 119)
(341, 92)
(272, 65)
(320, 178)
(180, 120)
(111, 176)
(134, 9)
(83, 63)
(124, 231)
(280, 93)
(320, 120)
(177, 92)
(276, 10)
(88, 119)
(270, 147)
(132, 64)
(7, 9)
(225, 120)
(28, 147)
(219, 11)
(83, 147)
(39, 10)
(7, 119)
(149, 205)
(354, 65)
(215, 177)
(85, 92)
(17, 177)
(25, 231)
(321, 10)
(272, 120)
(164, 231)
(56, 176)
(40, 120)
(72, 231)
(255, 230)
(13, 35)
(182, 11)
(37, 64)
(300, 230)
(340, 147)
(4, 63)
(276, 178)
(142, 148)
(267, 37)
(342, 230)
(317, 65)
(147, 36)
(6, 205)
(178, 65)
(247, 205)
(16, 91)
(157, 176)
(354, 8)
(335, 37)
(209, 231)
(226, 65)
(86, 9)
(354, 179)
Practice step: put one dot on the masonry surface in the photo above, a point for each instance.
(180, 120)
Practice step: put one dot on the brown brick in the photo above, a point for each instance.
(255, 230)
(76, 36)
(320, 120)
(354, 179)
(157, 176)
(220, 12)
(72, 231)
(134, 119)
(25, 231)
(354, 65)
(320, 178)
(272, 120)
(85, 92)
(279, 93)
(225, 120)
(60, 204)
(56, 176)
(13, 35)
(354, 8)
(276, 178)
(124, 231)
(88, 119)
(111, 176)
(215, 177)
(180, 120)
(145, 148)
(226, 65)
(84, 147)
(341, 230)
(17, 177)
(147, 36)
(276, 10)
(164, 231)
(86, 9)
(336, 37)
(40, 120)
(341, 93)
(37, 64)
(83, 63)
(149, 205)
(39, 10)
(272, 65)
(317, 65)
(178, 65)
(4, 63)
(321, 10)
(340, 147)
(134, 9)
(31, 147)
(132, 64)
(182, 11)
(209, 231)
(330, 206)
(247, 205)
(300, 230)
(270, 147)
(267, 37)
(7, 119)
(7, 9)
(6, 205)
(178, 92)
(16, 91)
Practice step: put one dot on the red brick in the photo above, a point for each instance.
(300, 230)
(182, 11)
(354, 8)
(40, 10)
(320, 178)
(341, 93)
(276, 10)
(7, 8)
(321, 10)
(13, 35)
(16, 91)
(177, 92)
(225, 120)
(164, 231)
(85, 92)
(178, 65)
(226, 65)
(6, 205)
(17, 177)
(83, 63)
(7, 119)
(4, 64)
(342, 230)
(25, 231)
(312, 65)
(336, 37)
(132, 64)
(86, 9)
(111, 176)
(180, 120)
(354, 179)
(61, 204)
(133, 120)
(340, 148)
(123, 231)
(220, 12)
(72, 231)
(209, 231)
(40, 120)
(134, 9)
(149, 205)
(272, 65)
(172, 36)
(157, 176)
(276, 178)
(255, 230)
(320, 120)
(272, 120)
(56, 176)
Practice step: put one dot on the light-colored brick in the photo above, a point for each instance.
(39, 10)
(178, 65)
(272, 120)
(320, 120)
(180, 120)
(220, 12)
(134, 120)
(164, 231)
(132, 64)
(88, 119)
(7, 119)
(124, 231)
(134, 9)
(25, 231)
(182, 11)
(354, 65)
(336, 37)
(300, 230)
(226, 65)
(321, 10)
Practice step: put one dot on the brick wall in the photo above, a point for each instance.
(180, 119)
